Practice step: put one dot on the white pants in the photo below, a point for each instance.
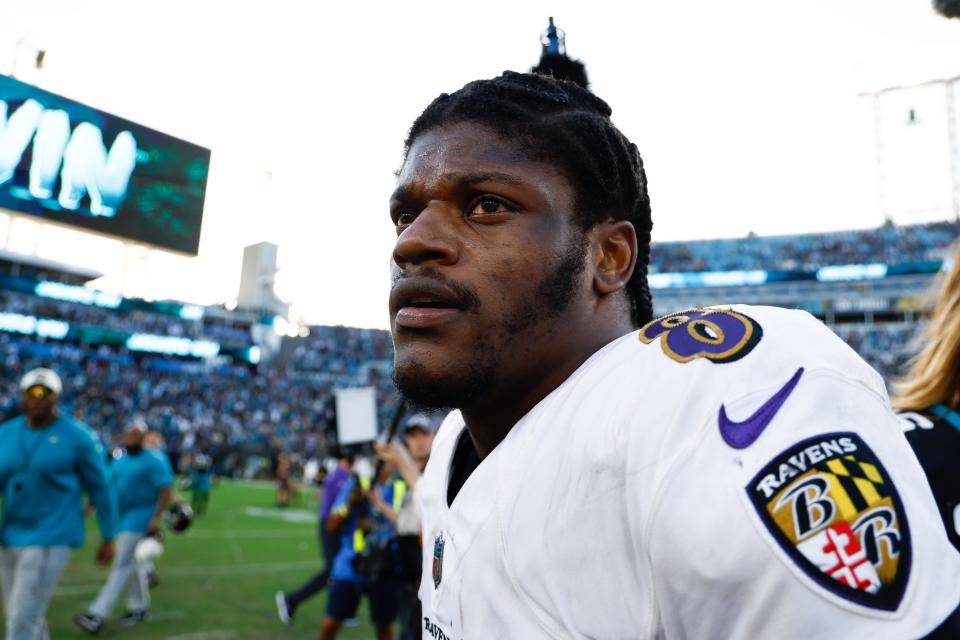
(126, 573)
(28, 576)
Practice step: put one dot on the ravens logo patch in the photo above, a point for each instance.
(832, 507)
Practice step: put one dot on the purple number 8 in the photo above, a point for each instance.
(719, 335)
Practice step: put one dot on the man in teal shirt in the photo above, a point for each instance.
(143, 480)
(47, 462)
(201, 472)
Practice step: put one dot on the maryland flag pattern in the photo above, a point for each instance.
(831, 506)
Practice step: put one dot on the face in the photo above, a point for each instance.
(418, 444)
(152, 440)
(39, 403)
(133, 440)
(488, 267)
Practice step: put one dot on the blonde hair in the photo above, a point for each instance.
(934, 375)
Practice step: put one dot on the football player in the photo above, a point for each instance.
(929, 398)
(47, 461)
(729, 472)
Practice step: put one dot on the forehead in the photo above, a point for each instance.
(38, 390)
(460, 150)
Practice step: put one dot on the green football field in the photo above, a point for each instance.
(217, 581)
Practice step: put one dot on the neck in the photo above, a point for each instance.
(490, 419)
(40, 422)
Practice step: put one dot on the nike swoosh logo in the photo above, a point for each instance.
(741, 435)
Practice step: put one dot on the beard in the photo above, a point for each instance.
(479, 374)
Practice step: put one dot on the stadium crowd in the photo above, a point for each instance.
(807, 252)
(127, 320)
(230, 411)
(886, 346)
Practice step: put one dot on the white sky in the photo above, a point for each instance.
(746, 113)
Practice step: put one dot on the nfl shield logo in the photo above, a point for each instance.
(437, 560)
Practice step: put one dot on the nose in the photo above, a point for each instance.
(429, 239)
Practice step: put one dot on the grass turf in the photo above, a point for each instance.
(217, 581)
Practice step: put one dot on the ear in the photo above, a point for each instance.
(615, 255)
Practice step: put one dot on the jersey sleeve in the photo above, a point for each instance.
(341, 504)
(934, 436)
(162, 475)
(800, 513)
(94, 475)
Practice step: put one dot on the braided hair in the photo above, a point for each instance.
(566, 126)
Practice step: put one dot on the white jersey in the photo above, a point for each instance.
(720, 473)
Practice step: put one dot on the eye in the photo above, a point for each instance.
(404, 217)
(488, 205)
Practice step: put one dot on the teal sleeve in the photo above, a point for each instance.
(95, 478)
(162, 474)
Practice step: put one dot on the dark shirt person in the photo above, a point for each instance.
(47, 462)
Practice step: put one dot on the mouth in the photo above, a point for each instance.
(422, 303)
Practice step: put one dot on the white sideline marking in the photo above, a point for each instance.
(193, 572)
(251, 484)
(290, 515)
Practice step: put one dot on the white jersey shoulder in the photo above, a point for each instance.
(728, 472)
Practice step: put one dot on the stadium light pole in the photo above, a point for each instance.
(951, 87)
(953, 142)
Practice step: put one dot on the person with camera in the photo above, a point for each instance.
(409, 457)
(366, 563)
(143, 482)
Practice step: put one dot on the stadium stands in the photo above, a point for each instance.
(807, 252)
(886, 346)
(870, 286)
(228, 409)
